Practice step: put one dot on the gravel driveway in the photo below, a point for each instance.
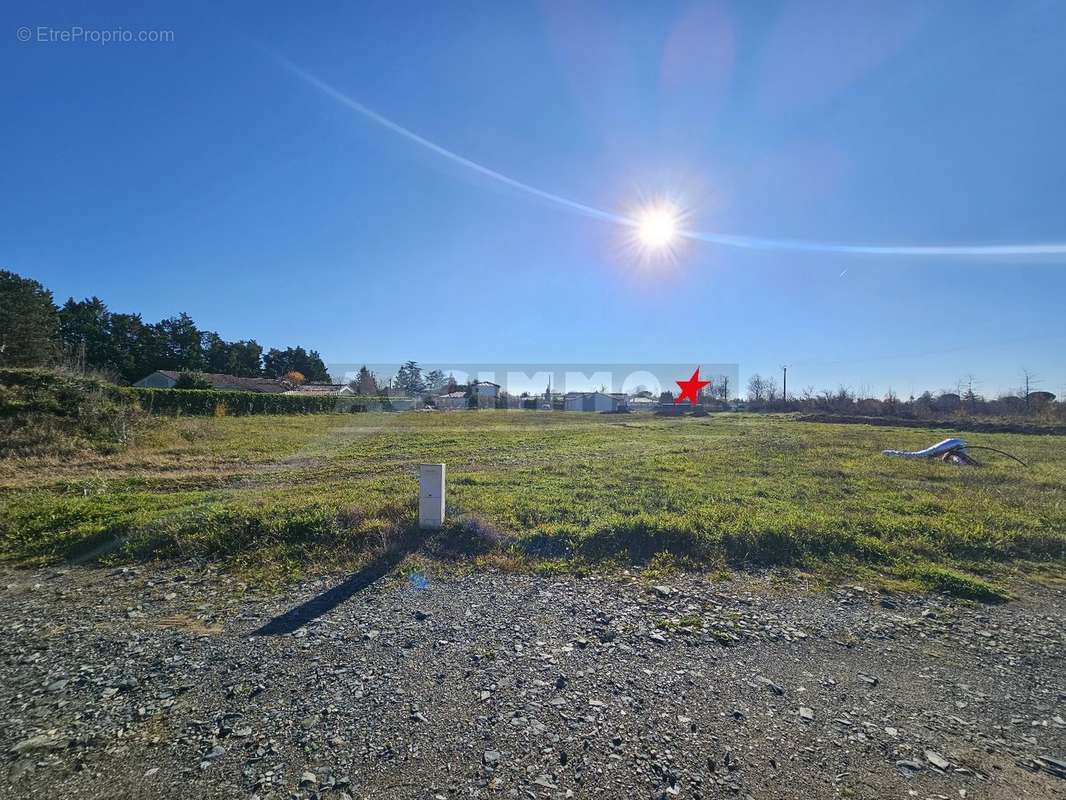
(175, 682)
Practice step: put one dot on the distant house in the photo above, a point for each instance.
(452, 401)
(167, 379)
(594, 401)
(485, 391)
(321, 389)
(479, 394)
(643, 403)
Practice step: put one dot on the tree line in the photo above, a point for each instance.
(87, 335)
(409, 381)
(764, 394)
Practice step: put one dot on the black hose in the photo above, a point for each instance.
(994, 450)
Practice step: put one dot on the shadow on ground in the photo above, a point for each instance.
(321, 604)
(466, 539)
(454, 542)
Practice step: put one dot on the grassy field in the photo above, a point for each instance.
(273, 495)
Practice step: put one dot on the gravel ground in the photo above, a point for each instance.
(174, 682)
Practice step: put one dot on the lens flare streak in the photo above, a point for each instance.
(657, 232)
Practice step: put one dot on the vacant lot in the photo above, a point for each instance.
(275, 495)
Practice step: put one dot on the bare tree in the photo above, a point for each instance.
(844, 398)
(891, 401)
(756, 388)
(721, 388)
(770, 388)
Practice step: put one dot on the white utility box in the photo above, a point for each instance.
(430, 495)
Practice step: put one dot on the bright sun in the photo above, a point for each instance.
(657, 228)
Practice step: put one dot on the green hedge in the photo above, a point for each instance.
(209, 402)
(50, 393)
(48, 412)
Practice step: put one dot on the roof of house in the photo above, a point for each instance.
(485, 383)
(222, 381)
(317, 388)
(455, 395)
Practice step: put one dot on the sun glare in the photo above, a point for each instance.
(657, 232)
(657, 228)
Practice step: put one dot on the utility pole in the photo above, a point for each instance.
(784, 382)
(1029, 377)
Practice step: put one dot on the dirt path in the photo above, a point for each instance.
(172, 683)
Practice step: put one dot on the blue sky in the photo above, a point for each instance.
(202, 175)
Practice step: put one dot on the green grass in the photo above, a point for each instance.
(551, 491)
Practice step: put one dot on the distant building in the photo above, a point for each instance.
(479, 394)
(167, 379)
(453, 401)
(321, 389)
(594, 401)
(485, 390)
(484, 393)
(643, 403)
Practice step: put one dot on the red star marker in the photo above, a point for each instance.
(690, 389)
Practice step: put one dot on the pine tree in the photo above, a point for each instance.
(29, 323)
(85, 327)
(365, 383)
(278, 362)
(435, 380)
(409, 379)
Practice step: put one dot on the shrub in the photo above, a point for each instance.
(45, 412)
(191, 380)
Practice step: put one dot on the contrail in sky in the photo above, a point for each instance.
(385, 122)
(725, 239)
